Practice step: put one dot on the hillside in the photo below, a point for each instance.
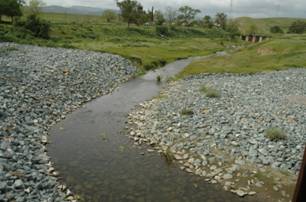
(263, 25)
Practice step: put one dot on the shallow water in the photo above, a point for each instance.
(100, 163)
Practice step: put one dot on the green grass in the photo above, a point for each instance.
(140, 44)
(275, 134)
(187, 112)
(275, 54)
(210, 91)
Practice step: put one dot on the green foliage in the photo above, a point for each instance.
(10, 8)
(221, 19)
(132, 12)
(162, 30)
(109, 16)
(208, 22)
(159, 18)
(34, 7)
(187, 15)
(253, 29)
(210, 91)
(276, 30)
(298, 27)
(38, 27)
(275, 134)
(233, 29)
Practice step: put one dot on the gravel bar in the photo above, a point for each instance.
(215, 125)
(38, 87)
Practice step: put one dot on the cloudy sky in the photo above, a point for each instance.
(252, 8)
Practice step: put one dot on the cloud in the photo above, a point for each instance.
(252, 8)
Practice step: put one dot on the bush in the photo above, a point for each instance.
(233, 30)
(275, 134)
(162, 30)
(297, 27)
(276, 30)
(38, 27)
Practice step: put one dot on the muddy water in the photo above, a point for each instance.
(99, 162)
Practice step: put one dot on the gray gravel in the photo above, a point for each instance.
(38, 87)
(231, 127)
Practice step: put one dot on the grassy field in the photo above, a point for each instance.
(274, 54)
(140, 44)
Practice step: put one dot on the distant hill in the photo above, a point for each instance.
(81, 10)
(263, 25)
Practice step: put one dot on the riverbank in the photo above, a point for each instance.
(38, 88)
(245, 132)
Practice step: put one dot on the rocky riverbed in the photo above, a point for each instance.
(38, 87)
(246, 132)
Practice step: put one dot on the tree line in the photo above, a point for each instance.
(132, 12)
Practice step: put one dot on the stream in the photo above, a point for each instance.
(100, 163)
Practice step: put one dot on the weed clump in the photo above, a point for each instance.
(187, 112)
(168, 156)
(210, 91)
(158, 79)
(275, 134)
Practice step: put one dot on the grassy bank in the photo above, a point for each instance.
(274, 54)
(140, 44)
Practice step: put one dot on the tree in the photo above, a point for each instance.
(132, 12)
(35, 6)
(10, 8)
(109, 15)
(170, 15)
(220, 20)
(208, 22)
(187, 14)
(276, 30)
(38, 27)
(159, 18)
(233, 29)
(297, 27)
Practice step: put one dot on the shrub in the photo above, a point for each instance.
(233, 30)
(187, 112)
(162, 30)
(297, 27)
(275, 134)
(210, 92)
(38, 27)
(276, 30)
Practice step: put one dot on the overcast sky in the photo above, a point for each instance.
(252, 8)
